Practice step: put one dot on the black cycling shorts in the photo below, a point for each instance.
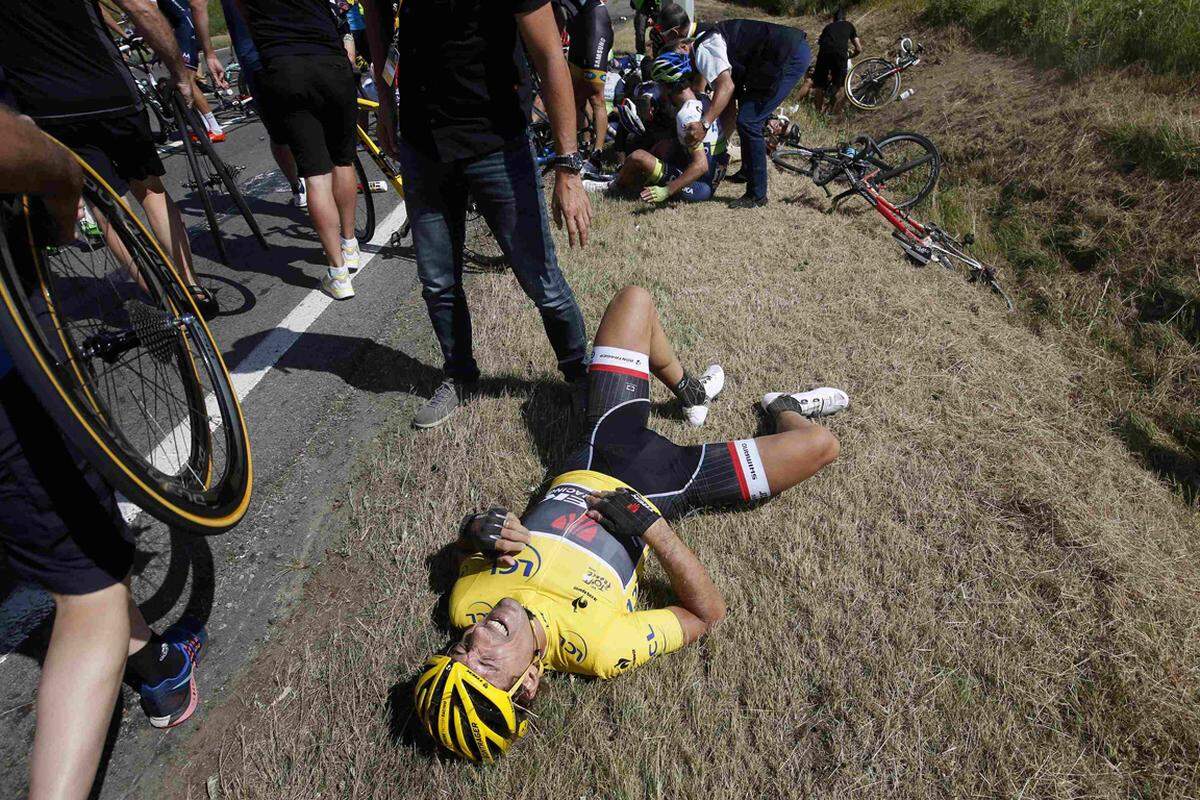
(179, 15)
(677, 479)
(59, 521)
(120, 149)
(591, 33)
(310, 103)
(830, 70)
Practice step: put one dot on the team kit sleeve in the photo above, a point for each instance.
(691, 112)
(633, 639)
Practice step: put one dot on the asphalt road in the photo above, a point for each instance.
(322, 377)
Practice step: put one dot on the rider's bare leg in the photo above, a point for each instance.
(166, 223)
(631, 323)
(796, 452)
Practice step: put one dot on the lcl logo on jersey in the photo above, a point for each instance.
(478, 610)
(574, 645)
(527, 562)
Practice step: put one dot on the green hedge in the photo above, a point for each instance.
(798, 7)
(1083, 34)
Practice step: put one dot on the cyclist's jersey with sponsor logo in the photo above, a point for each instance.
(580, 581)
(590, 32)
(692, 111)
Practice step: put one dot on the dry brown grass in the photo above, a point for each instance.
(985, 596)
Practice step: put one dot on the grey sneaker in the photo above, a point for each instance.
(447, 397)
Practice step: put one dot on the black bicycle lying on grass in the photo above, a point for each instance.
(906, 163)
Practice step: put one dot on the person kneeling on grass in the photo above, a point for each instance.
(691, 172)
(558, 588)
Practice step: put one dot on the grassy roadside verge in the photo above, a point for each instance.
(984, 596)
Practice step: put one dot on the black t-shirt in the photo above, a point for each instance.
(837, 36)
(462, 78)
(59, 65)
(292, 28)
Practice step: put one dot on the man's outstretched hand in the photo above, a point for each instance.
(623, 513)
(572, 207)
(496, 533)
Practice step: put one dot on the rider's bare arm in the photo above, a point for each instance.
(200, 19)
(702, 604)
(695, 170)
(858, 48)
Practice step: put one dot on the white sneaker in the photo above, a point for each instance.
(822, 402)
(713, 381)
(596, 186)
(336, 283)
(300, 196)
(351, 258)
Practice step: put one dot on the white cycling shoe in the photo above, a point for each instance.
(713, 381)
(822, 402)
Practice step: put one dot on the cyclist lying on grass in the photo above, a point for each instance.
(692, 172)
(558, 588)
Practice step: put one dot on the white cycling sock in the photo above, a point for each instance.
(210, 122)
(350, 245)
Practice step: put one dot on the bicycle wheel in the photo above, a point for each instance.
(909, 165)
(111, 342)
(364, 210)
(480, 248)
(200, 182)
(219, 175)
(797, 162)
(872, 83)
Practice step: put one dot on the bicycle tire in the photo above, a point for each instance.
(223, 173)
(864, 87)
(797, 162)
(480, 248)
(201, 185)
(365, 205)
(81, 341)
(903, 153)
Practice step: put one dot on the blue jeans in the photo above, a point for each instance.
(508, 192)
(753, 112)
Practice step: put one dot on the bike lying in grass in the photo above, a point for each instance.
(874, 82)
(867, 167)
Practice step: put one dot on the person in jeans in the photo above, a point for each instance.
(308, 99)
(756, 64)
(464, 99)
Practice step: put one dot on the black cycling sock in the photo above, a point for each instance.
(156, 662)
(690, 391)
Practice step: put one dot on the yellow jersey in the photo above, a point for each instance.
(579, 580)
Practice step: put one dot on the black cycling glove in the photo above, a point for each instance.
(483, 537)
(626, 513)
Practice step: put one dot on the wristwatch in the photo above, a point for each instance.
(572, 162)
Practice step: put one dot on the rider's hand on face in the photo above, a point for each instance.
(496, 533)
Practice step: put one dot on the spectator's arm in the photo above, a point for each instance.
(380, 46)
(151, 24)
(858, 48)
(702, 605)
(722, 87)
(200, 18)
(30, 163)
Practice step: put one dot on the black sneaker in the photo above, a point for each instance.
(737, 177)
(447, 397)
(748, 201)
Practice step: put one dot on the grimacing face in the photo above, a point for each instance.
(500, 647)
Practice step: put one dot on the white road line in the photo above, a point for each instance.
(262, 358)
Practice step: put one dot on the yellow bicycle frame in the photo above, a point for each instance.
(385, 164)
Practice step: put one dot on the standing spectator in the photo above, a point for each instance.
(64, 72)
(756, 64)
(464, 104)
(309, 98)
(60, 526)
(643, 12)
(251, 66)
(839, 43)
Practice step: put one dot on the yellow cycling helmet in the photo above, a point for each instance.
(465, 712)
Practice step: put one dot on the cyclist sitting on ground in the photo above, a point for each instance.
(61, 528)
(838, 44)
(693, 172)
(587, 24)
(558, 588)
